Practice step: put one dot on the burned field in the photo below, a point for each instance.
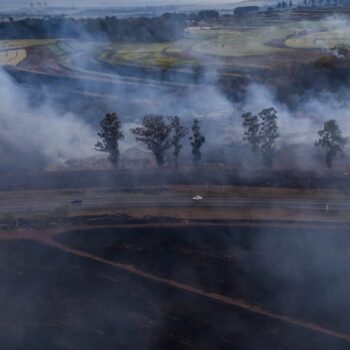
(127, 250)
(201, 287)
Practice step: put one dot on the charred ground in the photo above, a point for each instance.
(70, 282)
(64, 294)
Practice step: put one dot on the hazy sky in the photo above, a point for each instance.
(115, 2)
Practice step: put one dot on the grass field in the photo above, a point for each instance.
(239, 47)
(154, 54)
(23, 44)
(231, 45)
(13, 52)
(12, 57)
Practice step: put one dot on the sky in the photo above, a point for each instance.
(114, 2)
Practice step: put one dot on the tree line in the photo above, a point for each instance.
(164, 28)
(159, 134)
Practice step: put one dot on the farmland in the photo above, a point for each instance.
(231, 48)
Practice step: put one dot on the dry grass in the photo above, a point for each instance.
(12, 57)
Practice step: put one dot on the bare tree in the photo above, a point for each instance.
(332, 141)
(155, 134)
(110, 134)
(251, 130)
(268, 134)
(197, 141)
(179, 132)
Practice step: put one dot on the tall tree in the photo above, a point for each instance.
(197, 141)
(251, 130)
(179, 132)
(268, 134)
(155, 134)
(110, 134)
(332, 141)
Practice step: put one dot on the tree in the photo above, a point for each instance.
(110, 134)
(268, 134)
(251, 130)
(155, 134)
(197, 140)
(208, 15)
(332, 141)
(179, 132)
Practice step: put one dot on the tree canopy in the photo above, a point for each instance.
(261, 132)
(268, 134)
(179, 132)
(110, 134)
(332, 141)
(155, 134)
(197, 141)
(164, 28)
(251, 130)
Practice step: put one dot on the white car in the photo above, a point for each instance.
(197, 198)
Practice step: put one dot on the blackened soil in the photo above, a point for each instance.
(56, 300)
(303, 273)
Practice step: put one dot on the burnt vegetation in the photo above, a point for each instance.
(66, 301)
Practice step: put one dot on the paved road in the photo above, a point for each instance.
(178, 202)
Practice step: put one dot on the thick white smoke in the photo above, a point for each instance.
(301, 125)
(40, 133)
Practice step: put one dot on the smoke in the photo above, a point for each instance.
(49, 135)
(44, 132)
(38, 134)
(297, 126)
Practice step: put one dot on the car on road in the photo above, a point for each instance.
(76, 201)
(197, 198)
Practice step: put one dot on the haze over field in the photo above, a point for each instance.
(171, 88)
(174, 177)
(120, 3)
(214, 72)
